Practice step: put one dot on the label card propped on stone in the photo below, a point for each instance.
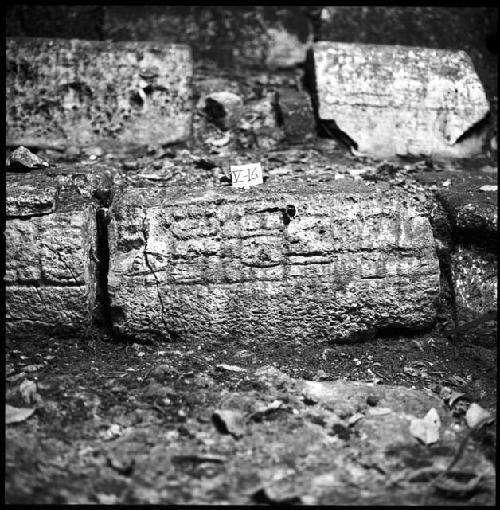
(244, 176)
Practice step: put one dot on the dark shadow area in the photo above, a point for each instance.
(103, 312)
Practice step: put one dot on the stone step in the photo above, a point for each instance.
(63, 92)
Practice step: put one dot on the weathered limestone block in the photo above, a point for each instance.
(400, 99)
(310, 261)
(224, 108)
(296, 114)
(80, 93)
(473, 218)
(259, 121)
(50, 238)
(473, 213)
(475, 282)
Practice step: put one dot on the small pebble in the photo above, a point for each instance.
(489, 187)
(130, 165)
(372, 400)
(72, 151)
(94, 152)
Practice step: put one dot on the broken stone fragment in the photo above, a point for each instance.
(473, 217)
(296, 114)
(426, 429)
(94, 152)
(259, 123)
(230, 421)
(22, 159)
(401, 100)
(224, 109)
(205, 87)
(259, 113)
(476, 415)
(17, 414)
(268, 138)
(72, 152)
(473, 213)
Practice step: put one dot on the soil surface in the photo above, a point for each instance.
(135, 423)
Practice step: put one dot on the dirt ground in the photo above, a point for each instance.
(135, 423)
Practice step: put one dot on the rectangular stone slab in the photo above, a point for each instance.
(313, 261)
(64, 92)
(400, 99)
(50, 239)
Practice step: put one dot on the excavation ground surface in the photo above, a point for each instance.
(129, 423)
(233, 423)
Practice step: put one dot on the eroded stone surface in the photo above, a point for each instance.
(296, 115)
(473, 213)
(224, 108)
(327, 261)
(475, 282)
(87, 92)
(400, 100)
(473, 217)
(50, 238)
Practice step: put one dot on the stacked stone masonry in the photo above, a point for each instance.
(326, 260)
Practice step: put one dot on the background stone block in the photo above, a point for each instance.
(82, 93)
(400, 100)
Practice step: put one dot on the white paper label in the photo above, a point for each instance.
(244, 176)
